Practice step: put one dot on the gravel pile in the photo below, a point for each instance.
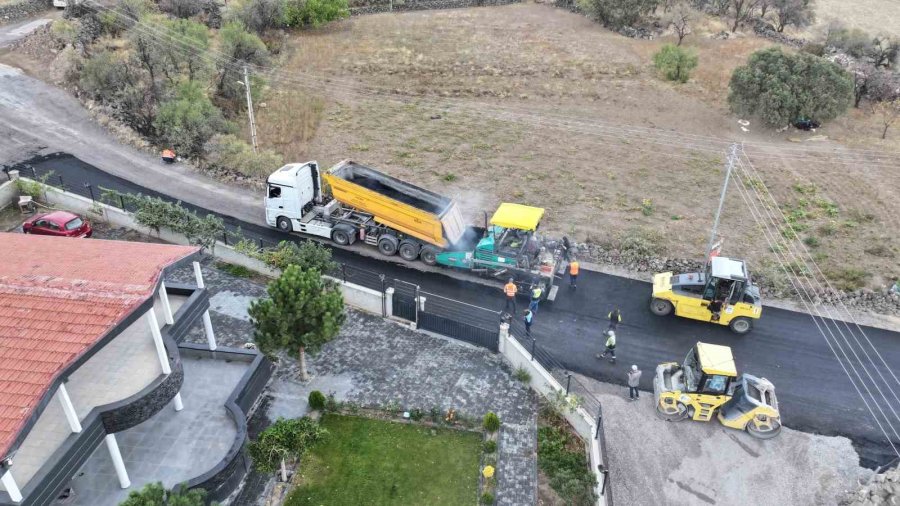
(883, 488)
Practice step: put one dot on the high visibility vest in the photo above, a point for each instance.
(573, 268)
(510, 289)
(611, 341)
(617, 318)
(536, 293)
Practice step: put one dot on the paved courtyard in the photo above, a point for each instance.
(171, 446)
(374, 362)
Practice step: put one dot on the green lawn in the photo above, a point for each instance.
(374, 462)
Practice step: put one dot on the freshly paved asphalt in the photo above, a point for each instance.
(786, 347)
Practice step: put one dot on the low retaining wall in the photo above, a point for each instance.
(545, 384)
(24, 9)
(360, 8)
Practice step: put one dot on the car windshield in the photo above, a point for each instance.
(74, 223)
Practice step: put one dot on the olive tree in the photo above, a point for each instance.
(780, 87)
(283, 440)
(675, 62)
(239, 48)
(799, 13)
(618, 13)
(302, 312)
(188, 120)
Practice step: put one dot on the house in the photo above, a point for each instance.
(98, 393)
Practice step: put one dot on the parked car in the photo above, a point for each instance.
(59, 223)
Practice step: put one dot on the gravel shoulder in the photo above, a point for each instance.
(658, 462)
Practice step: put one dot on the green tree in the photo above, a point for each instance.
(284, 439)
(306, 255)
(675, 62)
(782, 87)
(799, 13)
(303, 312)
(154, 494)
(187, 121)
(258, 15)
(618, 13)
(239, 47)
(186, 53)
(313, 13)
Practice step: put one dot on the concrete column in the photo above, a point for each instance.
(198, 275)
(210, 335)
(389, 301)
(157, 339)
(178, 404)
(504, 335)
(167, 308)
(116, 457)
(69, 409)
(11, 487)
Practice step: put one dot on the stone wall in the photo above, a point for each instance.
(361, 7)
(22, 9)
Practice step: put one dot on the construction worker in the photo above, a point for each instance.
(529, 317)
(168, 156)
(634, 380)
(573, 274)
(715, 309)
(536, 293)
(615, 318)
(610, 347)
(510, 290)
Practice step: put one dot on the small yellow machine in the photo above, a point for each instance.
(722, 294)
(707, 383)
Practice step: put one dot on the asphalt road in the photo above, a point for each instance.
(786, 347)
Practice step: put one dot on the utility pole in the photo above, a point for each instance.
(250, 110)
(729, 165)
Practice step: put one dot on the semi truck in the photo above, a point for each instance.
(351, 203)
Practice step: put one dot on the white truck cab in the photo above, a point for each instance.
(294, 200)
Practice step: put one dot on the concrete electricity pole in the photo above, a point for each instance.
(729, 165)
(246, 84)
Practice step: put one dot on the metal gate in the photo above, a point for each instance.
(459, 320)
(404, 303)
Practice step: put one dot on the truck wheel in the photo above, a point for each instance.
(284, 224)
(661, 307)
(740, 325)
(387, 245)
(409, 250)
(428, 255)
(341, 237)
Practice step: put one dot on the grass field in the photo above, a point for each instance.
(374, 462)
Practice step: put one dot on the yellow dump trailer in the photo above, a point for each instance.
(397, 204)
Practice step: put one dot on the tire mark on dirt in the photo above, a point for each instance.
(687, 488)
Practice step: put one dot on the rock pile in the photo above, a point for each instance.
(883, 488)
(23, 9)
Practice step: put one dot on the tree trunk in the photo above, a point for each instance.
(304, 376)
(283, 471)
(884, 132)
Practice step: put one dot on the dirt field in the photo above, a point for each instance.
(536, 105)
(873, 16)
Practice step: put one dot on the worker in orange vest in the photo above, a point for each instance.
(573, 274)
(168, 156)
(510, 289)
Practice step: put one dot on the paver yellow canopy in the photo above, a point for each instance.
(517, 216)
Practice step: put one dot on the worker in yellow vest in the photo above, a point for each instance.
(510, 289)
(573, 274)
(536, 293)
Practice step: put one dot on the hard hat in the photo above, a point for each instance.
(511, 280)
(611, 333)
(634, 368)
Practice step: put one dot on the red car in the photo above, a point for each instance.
(59, 223)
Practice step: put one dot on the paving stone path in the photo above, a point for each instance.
(379, 363)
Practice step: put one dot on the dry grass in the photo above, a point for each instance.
(595, 184)
(874, 16)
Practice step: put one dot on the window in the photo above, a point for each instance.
(74, 224)
(274, 192)
(40, 223)
(51, 225)
(715, 384)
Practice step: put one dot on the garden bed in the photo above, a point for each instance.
(369, 461)
(564, 474)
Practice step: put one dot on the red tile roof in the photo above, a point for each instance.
(58, 297)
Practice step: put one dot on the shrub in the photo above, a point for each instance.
(332, 404)
(416, 415)
(490, 446)
(238, 44)
(812, 241)
(181, 8)
(491, 422)
(813, 48)
(234, 155)
(487, 498)
(187, 121)
(64, 32)
(522, 374)
(618, 13)
(782, 87)
(313, 13)
(258, 15)
(567, 470)
(675, 62)
(316, 400)
(848, 279)
(641, 242)
(854, 42)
